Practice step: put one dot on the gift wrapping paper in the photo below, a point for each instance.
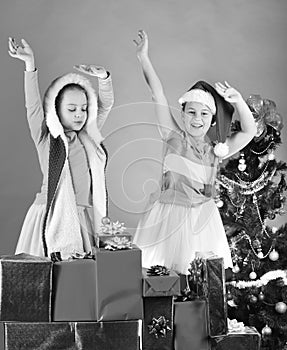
(154, 308)
(25, 288)
(247, 339)
(190, 325)
(155, 286)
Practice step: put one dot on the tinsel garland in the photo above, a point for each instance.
(262, 281)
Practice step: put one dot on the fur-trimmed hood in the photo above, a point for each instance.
(52, 120)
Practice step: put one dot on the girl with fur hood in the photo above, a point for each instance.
(67, 212)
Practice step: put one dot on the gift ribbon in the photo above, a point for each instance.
(118, 243)
(235, 326)
(159, 327)
(158, 270)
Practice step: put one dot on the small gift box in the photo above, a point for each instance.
(239, 337)
(25, 288)
(160, 285)
(158, 323)
(118, 335)
(207, 280)
(190, 325)
(113, 236)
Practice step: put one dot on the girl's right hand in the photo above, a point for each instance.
(23, 53)
(141, 44)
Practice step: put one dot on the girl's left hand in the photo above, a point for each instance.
(228, 93)
(91, 69)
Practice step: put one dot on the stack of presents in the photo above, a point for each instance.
(106, 301)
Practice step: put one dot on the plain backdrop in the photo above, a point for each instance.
(241, 41)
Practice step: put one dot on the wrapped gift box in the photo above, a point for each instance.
(25, 287)
(106, 289)
(212, 288)
(158, 323)
(75, 290)
(190, 325)
(155, 286)
(121, 335)
(247, 339)
(119, 284)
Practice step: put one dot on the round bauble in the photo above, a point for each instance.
(281, 307)
(266, 331)
(261, 296)
(219, 203)
(236, 269)
(274, 255)
(252, 275)
(252, 299)
(271, 156)
(229, 296)
(106, 220)
(241, 167)
(260, 255)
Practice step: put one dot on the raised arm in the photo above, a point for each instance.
(240, 139)
(106, 92)
(33, 103)
(163, 112)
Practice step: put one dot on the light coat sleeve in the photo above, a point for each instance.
(105, 100)
(33, 103)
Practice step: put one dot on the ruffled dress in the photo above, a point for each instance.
(183, 218)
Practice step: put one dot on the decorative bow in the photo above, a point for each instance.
(159, 327)
(235, 326)
(158, 270)
(109, 227)
(118, 243)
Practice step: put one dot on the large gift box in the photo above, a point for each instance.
(120, 335)
(155, 286)
(105, 289)
(190, 325)
(25, 288)
(207, 279)
(244, 339)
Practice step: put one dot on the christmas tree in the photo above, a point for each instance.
(251, 188)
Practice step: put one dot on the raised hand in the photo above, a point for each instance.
(23, 52)
(141, 44)
(91, 69)
(228, 93)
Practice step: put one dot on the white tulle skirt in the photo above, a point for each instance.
(30, 239)
(170, 234)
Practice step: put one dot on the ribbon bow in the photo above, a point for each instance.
(159, 327)
(158, 270)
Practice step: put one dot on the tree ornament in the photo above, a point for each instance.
(271, 155)
(281, 307)
(261, 296)
(266, 331)
(236, 268)
(274, 255)
(257, 245)
(252, 275)
(271, 216)
(274, 229)
(219, 203)
(106, 220)
(229, 295)
(241, 165)
(252, 299)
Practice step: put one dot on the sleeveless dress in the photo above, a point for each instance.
(183, 218)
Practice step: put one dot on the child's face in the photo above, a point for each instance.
(197, 119)
(73, 110)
